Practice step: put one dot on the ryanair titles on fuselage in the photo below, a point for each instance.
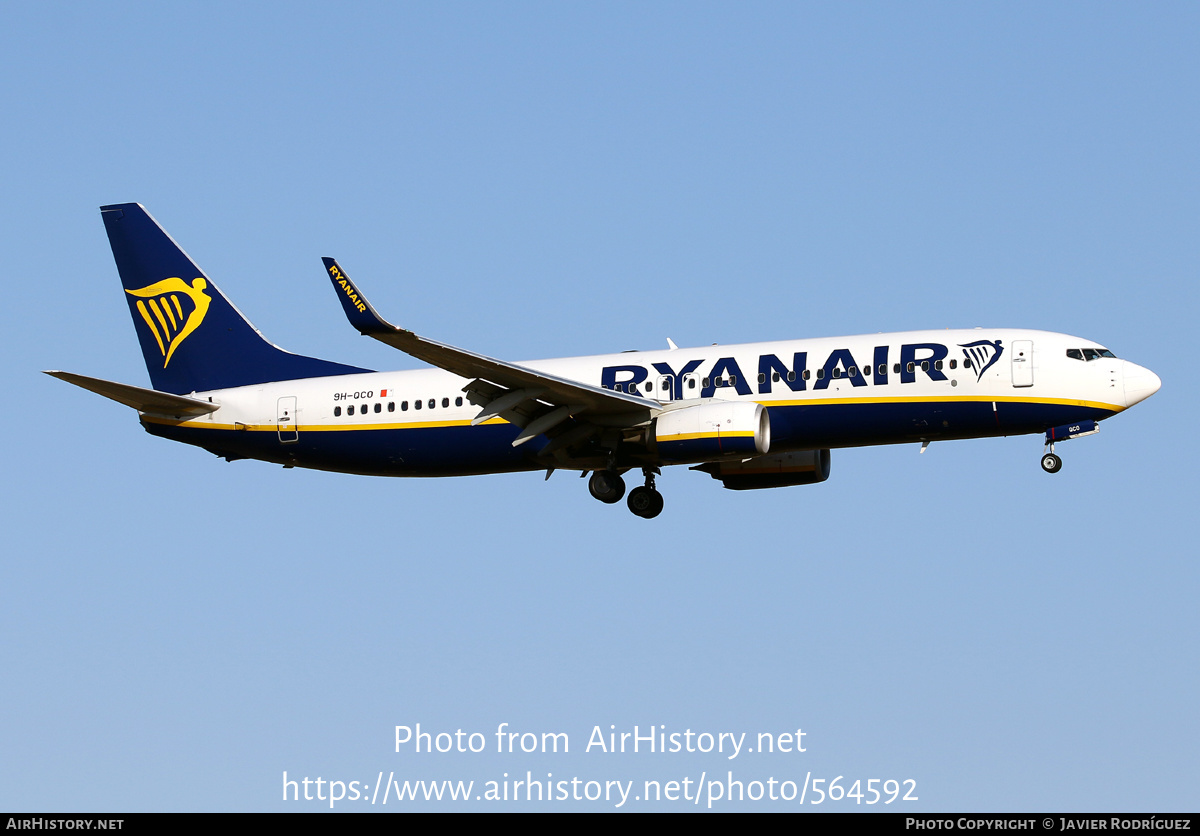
(877, 365)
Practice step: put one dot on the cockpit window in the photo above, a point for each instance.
(1090, 353)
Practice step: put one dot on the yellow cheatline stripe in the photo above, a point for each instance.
(141, 306)
(311, 428)
(691, 436)
(208, 425)
(948, 399)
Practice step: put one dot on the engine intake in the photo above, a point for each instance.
(713, 430)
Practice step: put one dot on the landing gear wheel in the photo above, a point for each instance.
(1051, 463)
(607, 486)
(645, 502)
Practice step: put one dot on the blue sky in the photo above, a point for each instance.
(535, 180)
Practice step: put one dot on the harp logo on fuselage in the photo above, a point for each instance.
(170, 320)
(983, 354)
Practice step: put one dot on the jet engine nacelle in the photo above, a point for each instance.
(775, 471)
(712, 430)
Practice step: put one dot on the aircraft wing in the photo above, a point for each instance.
(143, 400)
(511, 385)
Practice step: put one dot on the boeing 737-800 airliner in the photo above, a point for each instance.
(760, 415)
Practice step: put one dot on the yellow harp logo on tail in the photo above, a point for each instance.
(159, 304)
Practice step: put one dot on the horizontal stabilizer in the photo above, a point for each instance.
(143, 400)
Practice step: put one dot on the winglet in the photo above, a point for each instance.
(358, 310)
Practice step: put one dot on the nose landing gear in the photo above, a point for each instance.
(1051, 463)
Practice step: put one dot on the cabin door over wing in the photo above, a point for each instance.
(664, 387)
(285, 421)
(1022, 362)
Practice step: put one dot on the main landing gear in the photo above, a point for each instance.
(607, 486)
(645, 501)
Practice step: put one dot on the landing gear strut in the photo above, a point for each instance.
(646, 502)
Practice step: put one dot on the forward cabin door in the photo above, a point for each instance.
(285, 421)
(1022, 362)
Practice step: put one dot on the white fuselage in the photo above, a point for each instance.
(820, 393)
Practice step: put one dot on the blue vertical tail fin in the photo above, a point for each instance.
(192, 337)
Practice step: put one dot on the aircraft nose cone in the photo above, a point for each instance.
(1140, 383)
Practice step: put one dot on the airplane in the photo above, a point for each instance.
(753, 416)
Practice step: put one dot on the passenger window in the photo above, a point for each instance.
(896, 369)
(762, 377)
(953, 364)
(391, 406)
(445, 402)
(649, 387)
(458, 401)
(820, 374)
(937, 364)
(416, 404)
(883, 369)
(404, 406)
(852, 371)
(706, 381)
(432, 403)
(837, 372)
(967, 363)
(732, 380)
(807, 374)
(691, 383)
(792, 376)
(924, 365)
(774, 377)
(350, 409)
(912, 367)
(337, 411)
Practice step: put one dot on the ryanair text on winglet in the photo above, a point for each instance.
(340, 279)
